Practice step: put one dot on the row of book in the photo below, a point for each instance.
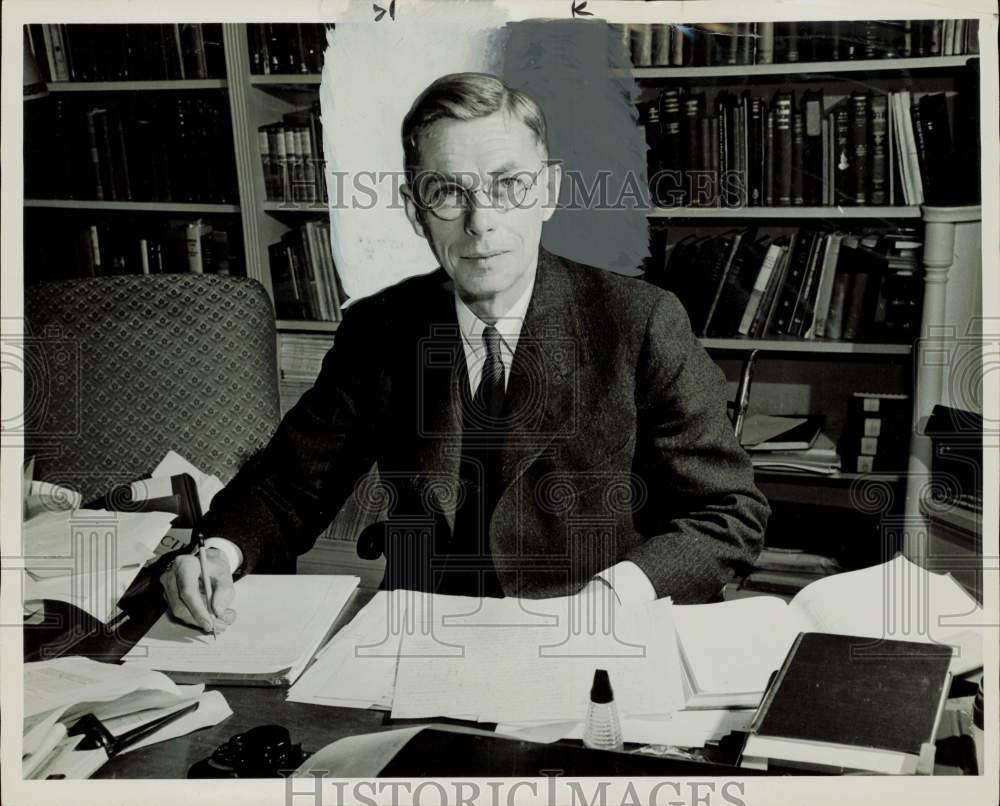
(176, 246)
(127, 52)
(877, 432)
(300, 358)
(303, 275)
(869, 148)
(286, 48)
(150, 147)
(749, 43)
(809, 284)
(291, 154)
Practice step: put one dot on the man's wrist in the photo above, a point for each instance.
(629, 583)
(229, 550)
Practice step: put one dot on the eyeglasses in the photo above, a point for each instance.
(449, 200)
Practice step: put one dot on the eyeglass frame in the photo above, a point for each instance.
(496, 202)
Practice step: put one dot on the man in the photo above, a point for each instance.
(539, 426)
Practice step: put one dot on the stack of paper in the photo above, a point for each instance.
(896, 600)
(58, 692)
(281, 621)
(497, 660)
(88, 557)
(357, 668)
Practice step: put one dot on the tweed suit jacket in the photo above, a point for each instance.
(617, 445)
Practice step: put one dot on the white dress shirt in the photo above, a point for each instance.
(629, 583)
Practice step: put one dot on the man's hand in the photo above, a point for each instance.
(185, 593)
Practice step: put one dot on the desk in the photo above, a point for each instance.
(314, 726)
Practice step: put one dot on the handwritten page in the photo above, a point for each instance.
(281, 620)
(515, 660)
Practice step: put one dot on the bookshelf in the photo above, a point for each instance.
(794, 373)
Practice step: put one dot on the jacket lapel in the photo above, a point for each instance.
(540, 402)
(439, 372)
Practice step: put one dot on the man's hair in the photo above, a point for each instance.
(466, 96)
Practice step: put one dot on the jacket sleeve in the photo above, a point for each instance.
(707, 517)
(281, 499)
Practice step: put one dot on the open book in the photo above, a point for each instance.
(281, 622)
(730, 649)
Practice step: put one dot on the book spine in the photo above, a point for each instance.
(762, 318)
(878, 149)
(858, 180)
(783, 149)
(661, 44)
(670, 154)
(802, 312)
(693, 111)
(825, 293)
(765, 43)
(192, 237)
(798, 264)
(95, 158)
(798, 159)
(842, 155)
(812, 156)
(769, 180)
(759, 288)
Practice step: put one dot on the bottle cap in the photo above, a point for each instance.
(600, 691)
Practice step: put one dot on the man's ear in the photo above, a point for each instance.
(413, 213)
(553, 181)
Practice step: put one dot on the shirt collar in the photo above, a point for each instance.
(508, 326)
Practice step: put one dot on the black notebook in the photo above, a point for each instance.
(851, 703)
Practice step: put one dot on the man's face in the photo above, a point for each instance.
(486, 250)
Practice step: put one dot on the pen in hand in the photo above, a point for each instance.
(205, 579)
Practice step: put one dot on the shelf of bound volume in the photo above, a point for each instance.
(799, 68)
(138, 86)
(789, 213)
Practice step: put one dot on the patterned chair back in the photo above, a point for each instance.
(119, 370)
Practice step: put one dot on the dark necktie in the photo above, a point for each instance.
(489, 395)
(470, 570)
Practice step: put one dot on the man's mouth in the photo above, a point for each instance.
(483, 255)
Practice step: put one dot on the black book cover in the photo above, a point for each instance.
(736, 290)
(806, 303)
(843, 155)
(934, 150)
(858, 144)
(798, 159)
(670, 190)
(798, 263)
(714, 261)
(783, 155)
(693, 108)
(878, 150)
(812, 147)
(756, 149)
(880, 694)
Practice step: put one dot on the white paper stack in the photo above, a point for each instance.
(88, 557)
(58, 692)
(497, 660)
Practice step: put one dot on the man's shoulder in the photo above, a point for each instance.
(617, 296)
(407, 295)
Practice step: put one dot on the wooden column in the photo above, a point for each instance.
(930, 357)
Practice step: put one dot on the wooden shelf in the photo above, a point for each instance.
(290, 79)
(306, 326)
(795, 345)
(828, 212)
(294, 207)
(138, 86)
(801, 68)
(151, 207)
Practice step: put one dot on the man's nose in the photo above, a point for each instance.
(480, 214)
